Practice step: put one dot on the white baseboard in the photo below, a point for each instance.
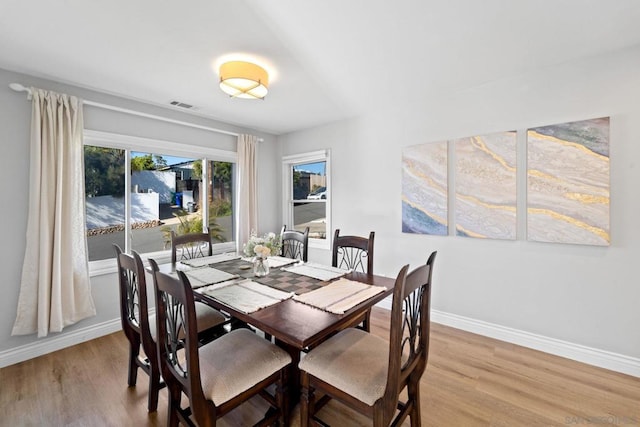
(592, 356)
(48, 345)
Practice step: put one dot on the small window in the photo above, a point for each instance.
(308, 195)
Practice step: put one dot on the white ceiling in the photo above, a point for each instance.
(327, 60)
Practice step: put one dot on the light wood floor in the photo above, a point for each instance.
(470, 381)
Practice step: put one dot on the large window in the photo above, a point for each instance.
(307, 194)
(136, 196)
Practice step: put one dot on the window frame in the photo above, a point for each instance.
(288, 162)
(130, 144)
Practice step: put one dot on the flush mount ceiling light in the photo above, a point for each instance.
(241, 79)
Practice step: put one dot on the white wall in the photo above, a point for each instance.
(15, 118)
(161, 182)
(584, 295)
(581, 295)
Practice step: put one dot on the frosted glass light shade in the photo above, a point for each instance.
(241, 79)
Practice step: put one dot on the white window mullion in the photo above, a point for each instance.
(204, 194)
(127, 201)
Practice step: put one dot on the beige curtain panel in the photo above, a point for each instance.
(55, 290)
(248, 200)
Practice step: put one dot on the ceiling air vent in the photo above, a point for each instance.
(181, 105)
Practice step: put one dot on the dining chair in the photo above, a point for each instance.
(140, 327)
(190, 245)
(218, 376)
(367, 373)
(354, 253)
(295, 244)
(195, 245)
(137, 325)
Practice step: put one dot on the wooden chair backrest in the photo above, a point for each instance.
(192, 245)
(177, 333)
(410, 331)
(134, 307)
(295, 244)
(353, 252)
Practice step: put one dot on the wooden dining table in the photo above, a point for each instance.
(295, 326)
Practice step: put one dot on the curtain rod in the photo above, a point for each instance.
(21, 88)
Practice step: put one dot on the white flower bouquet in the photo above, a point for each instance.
(264, 246)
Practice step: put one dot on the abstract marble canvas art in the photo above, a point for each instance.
(485, 186)
(568, 183)
(424, 189)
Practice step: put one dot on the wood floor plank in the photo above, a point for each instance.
(470, 381)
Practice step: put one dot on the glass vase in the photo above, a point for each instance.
(260, 266)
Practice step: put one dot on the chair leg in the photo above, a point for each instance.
(282, 397)
(173, 407)
(413, 391)
(307, 398)
(378, 417)
(154, 389)
(134, 352)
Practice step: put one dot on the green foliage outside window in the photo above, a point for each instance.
(220, 207)
(192, 223)
(104, 171)
(147, 162)
(197, 169)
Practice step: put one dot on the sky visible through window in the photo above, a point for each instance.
(171, 160)
(317, 168)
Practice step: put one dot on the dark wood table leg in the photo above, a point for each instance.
(294, 374)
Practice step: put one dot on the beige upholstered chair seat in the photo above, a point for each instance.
(237, 361)
(207, 317)
(353, 361)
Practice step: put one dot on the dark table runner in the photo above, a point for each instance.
(277, 278)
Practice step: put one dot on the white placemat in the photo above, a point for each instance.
(266, 290)
(182, 267)
(317, 271)
(275, 261)
(207, 260)
(339, 296)
(206, 276)
(246, 296)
